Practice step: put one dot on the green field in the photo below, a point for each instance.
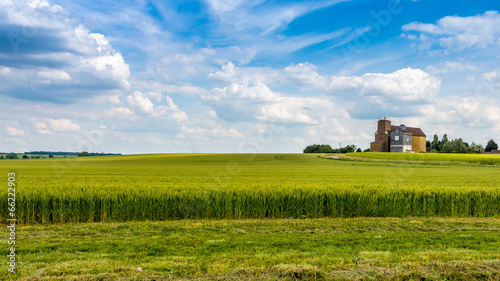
(254, 217)
(481, 159)
(277, 249)
(238, 186)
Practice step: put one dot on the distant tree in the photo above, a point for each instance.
(326, 148)
(347, 149)
(445, 139)
(83, 153)
(25, 157)
(51, 156)
(435, 145)
(1, 157)
(428, 146)
(11, 156)
(366, 150)
(358, 150)
(318, 148)
(491, 145)
(102, 154)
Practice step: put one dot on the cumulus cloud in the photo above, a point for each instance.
(171, 111)
(11, 131)
(409, 85)
(258, 102)
(50, 56)
(120, 112)
(62, 125)
(457, 33)
(402, 92)
(402, 85)
(48, 125)
(140, 104)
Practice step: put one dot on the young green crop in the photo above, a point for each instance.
(484, 159)
(179, 186)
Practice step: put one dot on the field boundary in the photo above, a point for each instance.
(345, 157)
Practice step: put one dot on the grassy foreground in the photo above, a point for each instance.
(284, 249)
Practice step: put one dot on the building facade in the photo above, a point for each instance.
(400, 138)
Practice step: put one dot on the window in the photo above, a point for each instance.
(396, 138)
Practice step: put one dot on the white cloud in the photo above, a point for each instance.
(120, 112)
(41, 127)
(226, 74)
(458, 33)
(156, 96)
(491, 76)
(170, 111)
(449, 66)
(242, 16)
(108, 67)
(222, 6)
(62, 125)
(305, 74)
(53, 75)
(259, 103)
(56, 56)
(156, 86)
(402, 85)
(48, 125)
(11, 131)
(140, 104)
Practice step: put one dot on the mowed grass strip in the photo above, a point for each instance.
(277, 249)
(238, 186)
(482, 159)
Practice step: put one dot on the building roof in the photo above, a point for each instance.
(414, 131)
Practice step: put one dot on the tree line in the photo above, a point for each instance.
(326, 148)
(458, 145)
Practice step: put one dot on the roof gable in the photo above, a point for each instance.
(414, 131)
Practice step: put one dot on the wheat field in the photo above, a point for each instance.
(236, 186)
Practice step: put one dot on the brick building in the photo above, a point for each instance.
(400, 138)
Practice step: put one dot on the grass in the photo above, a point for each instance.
(278, 249)
(139, 200)
(237, 186)
(483, 159)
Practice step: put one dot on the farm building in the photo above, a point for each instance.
(389, 138)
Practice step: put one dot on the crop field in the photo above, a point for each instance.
(243, 186)
(482, 159)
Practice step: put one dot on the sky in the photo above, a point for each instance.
(243, 76)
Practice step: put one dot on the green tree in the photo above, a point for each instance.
(435, 143)
(366, 150)
(51, 156)
(358, 150)
(491, 145)
(25, 157)
(325, 148)
(83, 154)
(11, 155)
(444, 139)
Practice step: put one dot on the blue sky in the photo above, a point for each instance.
(243, 76)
